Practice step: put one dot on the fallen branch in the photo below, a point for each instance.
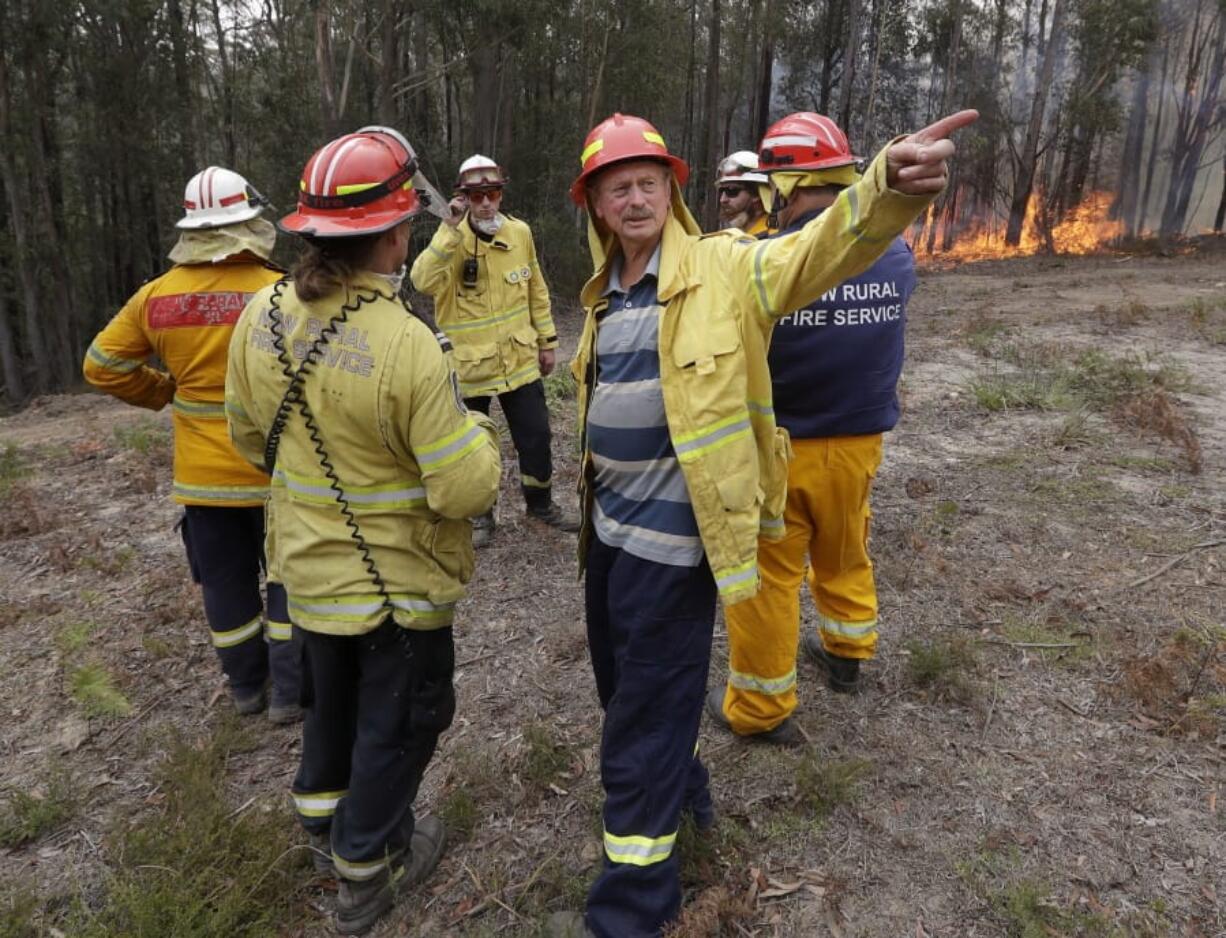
(1001, 641)
(1174, 562)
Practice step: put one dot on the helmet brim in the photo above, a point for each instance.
(318, 225)
(232, 218)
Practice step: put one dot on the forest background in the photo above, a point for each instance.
(107, 107)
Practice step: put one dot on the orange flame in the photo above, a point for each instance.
(1085, 229)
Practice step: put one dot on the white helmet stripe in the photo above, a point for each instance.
(829, 137)
(336, 161)
(321, 161)
(790, 140)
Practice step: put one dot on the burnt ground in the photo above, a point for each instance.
(1038, 750)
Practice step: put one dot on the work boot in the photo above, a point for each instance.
(785, 734)
(249, 703)
(321, 854)
(360, 903)
(284, 713)
(568, 925)
(483, 530)
(842, 674)
(555, 516)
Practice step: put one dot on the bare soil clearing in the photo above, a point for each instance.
(1039, 749)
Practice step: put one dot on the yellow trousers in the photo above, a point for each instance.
(827, 520)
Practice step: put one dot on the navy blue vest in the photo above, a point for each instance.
(835, 363)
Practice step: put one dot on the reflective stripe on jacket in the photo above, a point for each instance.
(412, 462)
(719, 296)
(497, 326)
(185, 317)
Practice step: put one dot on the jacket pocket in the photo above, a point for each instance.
(525, 337)
(451, 546)
(476, 362)
(700, 349)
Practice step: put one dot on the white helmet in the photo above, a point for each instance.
(216, 197)
(478, 171)
(741, 166)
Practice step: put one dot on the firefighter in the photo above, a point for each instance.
(834, 363)
(185, 318)
(742, 190)
(683, 464)
(377, 468)
(491, 300)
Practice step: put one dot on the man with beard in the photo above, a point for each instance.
(740, 198)
(492, 301)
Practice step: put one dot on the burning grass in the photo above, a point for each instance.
(1084, 229)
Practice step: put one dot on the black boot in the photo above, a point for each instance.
(842, 674)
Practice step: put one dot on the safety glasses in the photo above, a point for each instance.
(731, 192)
(483, 195)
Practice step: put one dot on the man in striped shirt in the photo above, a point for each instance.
(683, 465)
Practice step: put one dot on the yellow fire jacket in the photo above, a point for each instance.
(497, 326)
(185, 317)
(413, 464)
(719, 296)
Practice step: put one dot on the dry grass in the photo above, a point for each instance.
(1181, 687)
(1155, 411)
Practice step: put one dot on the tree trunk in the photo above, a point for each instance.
(1030, 148)
(14, 390)
(227, 90)
(1220, 217)
(183, 90)
(389, 62)
(1125, 206)
(849, 63)
(766, 74)
(710, 136)
(1155, 140)
(323, 65)
(1198, 113)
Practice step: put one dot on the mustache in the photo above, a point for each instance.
(639, 214)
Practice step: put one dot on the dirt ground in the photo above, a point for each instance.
(1039, 747)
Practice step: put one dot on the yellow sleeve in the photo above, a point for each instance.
(248, 439)
(433, 268)
(115, 361)
(456, 451)
(539, 303)
(779, 275)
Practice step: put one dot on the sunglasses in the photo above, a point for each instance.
(483, 195)
(731, 192)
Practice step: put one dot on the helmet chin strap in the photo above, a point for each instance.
(778, 203)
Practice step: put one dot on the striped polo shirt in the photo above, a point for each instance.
(642, 505)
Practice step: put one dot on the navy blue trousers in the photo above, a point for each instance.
(649, 629)
(225, 549)
(527, 415)
(375, 707)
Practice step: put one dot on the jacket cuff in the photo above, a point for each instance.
(546, 341)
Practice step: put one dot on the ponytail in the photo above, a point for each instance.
(328, 263)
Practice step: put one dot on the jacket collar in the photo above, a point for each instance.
(471, 240)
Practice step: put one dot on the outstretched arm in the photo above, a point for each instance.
(779, 275)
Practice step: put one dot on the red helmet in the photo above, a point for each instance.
(619, 138)
(359, 184)
(801, 141)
